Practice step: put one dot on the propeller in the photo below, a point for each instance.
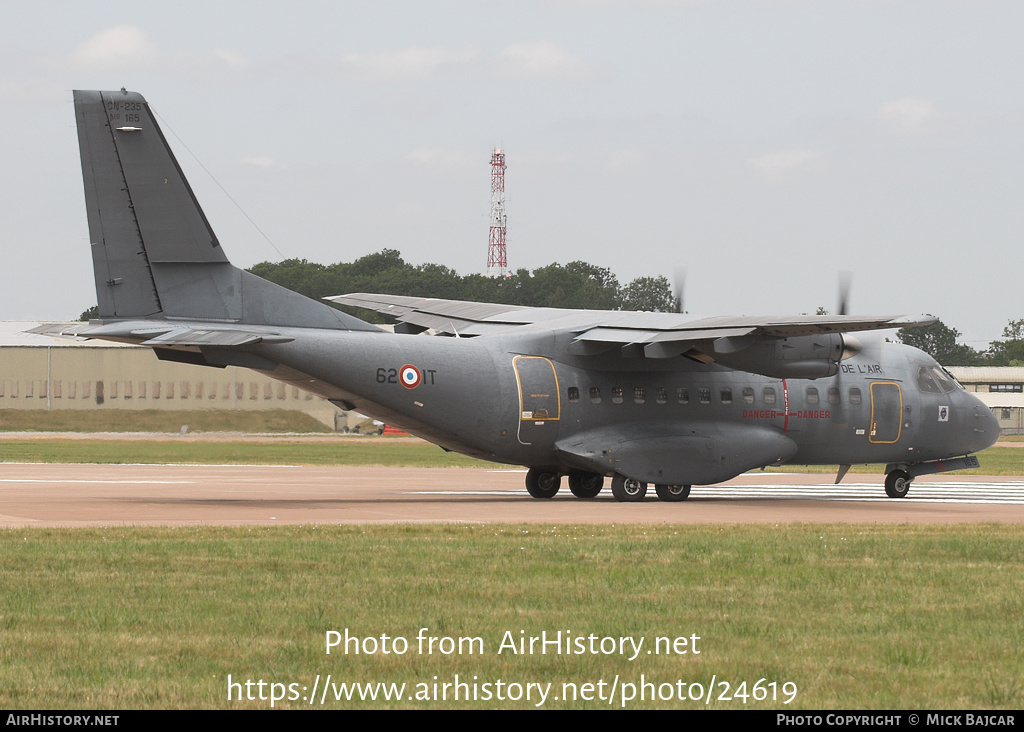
(851, 345)
(678, 287)
(844, 291)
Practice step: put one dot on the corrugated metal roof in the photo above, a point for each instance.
(988, 374)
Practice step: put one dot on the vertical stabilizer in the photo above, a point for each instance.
(154, 253)
(124, 278)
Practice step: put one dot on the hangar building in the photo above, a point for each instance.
(41, 372)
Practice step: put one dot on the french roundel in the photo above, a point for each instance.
(410, 376)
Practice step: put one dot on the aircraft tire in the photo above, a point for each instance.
(542, 482)
(585, 485)
(628, 489)
(897, 483)
(672, 492)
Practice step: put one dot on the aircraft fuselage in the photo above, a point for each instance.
(524, 400)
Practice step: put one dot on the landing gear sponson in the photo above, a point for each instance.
(545, 482)
(899, 476)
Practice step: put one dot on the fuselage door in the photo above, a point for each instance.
(886, 412)
(539, 403)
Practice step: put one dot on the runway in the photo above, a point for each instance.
(52, 495)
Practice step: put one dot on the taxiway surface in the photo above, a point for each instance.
(49, 495)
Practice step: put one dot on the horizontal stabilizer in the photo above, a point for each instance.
(167, 335)
(206, 337)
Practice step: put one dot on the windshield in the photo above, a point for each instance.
(934, 380)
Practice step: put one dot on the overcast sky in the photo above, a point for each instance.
(765, 145)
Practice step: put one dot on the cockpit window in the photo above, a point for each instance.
(945, 381)
(926, 381)
(934, 380)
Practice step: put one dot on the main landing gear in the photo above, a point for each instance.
(672, 492)
(545, 482)
(586, 485)
(897, 483)
(628, 489)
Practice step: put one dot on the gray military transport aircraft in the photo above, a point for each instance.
(661, 398)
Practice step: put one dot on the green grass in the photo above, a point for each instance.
(279, 451)
(857, 617)
(157, 420)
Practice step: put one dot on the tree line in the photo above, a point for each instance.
(941, 343)
(573, 285)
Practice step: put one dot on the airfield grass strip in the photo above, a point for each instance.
(284, 451)
(857, 616)
(158, 420)
(275, 451)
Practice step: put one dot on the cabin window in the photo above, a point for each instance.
(748, 395)
(595, 395)
(705, 395)
(574, 395)
(833, 396)
(683, 395)
(855, 397)
(661, 395)
(726, 396)
(638, 395)
(616, 395)
(769, 395)
(812, 395)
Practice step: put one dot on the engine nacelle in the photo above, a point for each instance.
(800, 357)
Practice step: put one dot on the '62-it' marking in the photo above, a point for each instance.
(408, 376)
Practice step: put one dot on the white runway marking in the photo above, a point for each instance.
(101, 482)
(1007, 493)
(946, 492)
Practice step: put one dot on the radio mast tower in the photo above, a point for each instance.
(497, 264)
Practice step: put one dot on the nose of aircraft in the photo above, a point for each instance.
(985, 425)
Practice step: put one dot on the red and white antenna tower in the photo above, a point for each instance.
(497, 263)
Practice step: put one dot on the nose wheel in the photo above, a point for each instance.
(897, 483)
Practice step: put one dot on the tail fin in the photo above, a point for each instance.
(154, 253)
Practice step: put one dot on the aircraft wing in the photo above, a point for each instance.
(800, 346)
(453, 317)
(660, 335)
